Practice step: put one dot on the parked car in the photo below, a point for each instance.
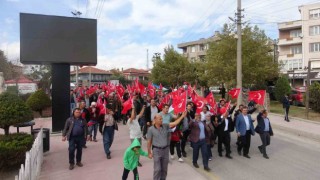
(215, 89)
(296, 97)
(302, 89)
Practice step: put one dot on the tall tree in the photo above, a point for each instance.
(6, 67)
(257, 62)
(173, 70)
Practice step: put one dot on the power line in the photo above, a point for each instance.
(87, 6)
(97, 8)
(101, 8)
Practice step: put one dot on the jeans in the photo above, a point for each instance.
(209, 150)
(94, 129)
(201, 144)
(177, 145)
(75, 143)
(126, 173)
(108, 134)
(286, 113)
(72, 106)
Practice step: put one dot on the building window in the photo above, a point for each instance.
(296, 49)
(293, 64)
(314, 30)
(193, 48)
(202, 47)
(295, 33)
(315, 47)
(314, 14)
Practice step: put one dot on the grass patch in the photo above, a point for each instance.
(295, 111)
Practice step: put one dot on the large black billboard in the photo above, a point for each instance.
(54, 39)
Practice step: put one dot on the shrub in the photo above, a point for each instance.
(12, 89)
(13, 111)
(39, 101)
(25, 97)
(13, 149)
(315, 96)
(281, 88)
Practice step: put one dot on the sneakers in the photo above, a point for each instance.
(172, 157)
(266, 156)
(180, 160)
(79, 164)
(210, 159)
(71, 166)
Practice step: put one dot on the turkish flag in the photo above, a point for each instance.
(200, 102)
(211, 101)
(257, 96)
(234, 93)
(152, 90)
(139, 86)
(126, 106)
(120, 90)
(179, 104)
(224, 109)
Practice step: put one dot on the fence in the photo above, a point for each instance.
(31, 169)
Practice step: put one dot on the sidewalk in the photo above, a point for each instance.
(97, 166)
(300, 127)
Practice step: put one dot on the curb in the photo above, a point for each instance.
(297, 132)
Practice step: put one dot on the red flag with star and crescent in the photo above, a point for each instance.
(212, 102)
(200, 102)
(257, 96)
(179, 104)
(234, 93)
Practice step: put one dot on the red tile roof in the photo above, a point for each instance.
(135, 71)
(21, 79)
(86, 70)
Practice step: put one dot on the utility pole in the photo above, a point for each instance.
(147, 59)
(307, 89)
(76, 14)
(275, 50)
(239, 52)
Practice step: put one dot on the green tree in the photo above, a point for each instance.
(257, 61)
(13, 111)
(281, 88)
(174, 69)
(6, 67)
(39, 101)
(315, 96)
(43, 74)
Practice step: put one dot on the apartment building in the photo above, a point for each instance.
(197, 50)
(299, 43)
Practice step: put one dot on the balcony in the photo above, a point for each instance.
(290, 56)
(290, 41)
(290, 25)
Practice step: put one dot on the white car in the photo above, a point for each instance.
(215, 89)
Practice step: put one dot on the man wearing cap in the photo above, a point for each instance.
(158, 145)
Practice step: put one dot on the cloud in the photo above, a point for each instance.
(9, 21)
(13, 0)
(173, 34)
(131, 55)
(11, 50)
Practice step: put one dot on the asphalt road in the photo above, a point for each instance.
(291, 158)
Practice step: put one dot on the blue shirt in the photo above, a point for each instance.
(202, 135)
(77, 129)
(266, 124)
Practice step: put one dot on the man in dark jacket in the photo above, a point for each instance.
(264, 129)
(225, 126)
(286, 107)
(75, 130)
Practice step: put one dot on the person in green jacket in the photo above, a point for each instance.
(131, 158)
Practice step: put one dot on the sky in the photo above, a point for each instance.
(127, 29)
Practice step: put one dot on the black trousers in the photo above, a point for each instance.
(286, 115)
(177, 145)
(184, 139)
(145, 128)
(75, 143)
(224, 137)
(245, 142)
(265, 139)
(126, 173)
